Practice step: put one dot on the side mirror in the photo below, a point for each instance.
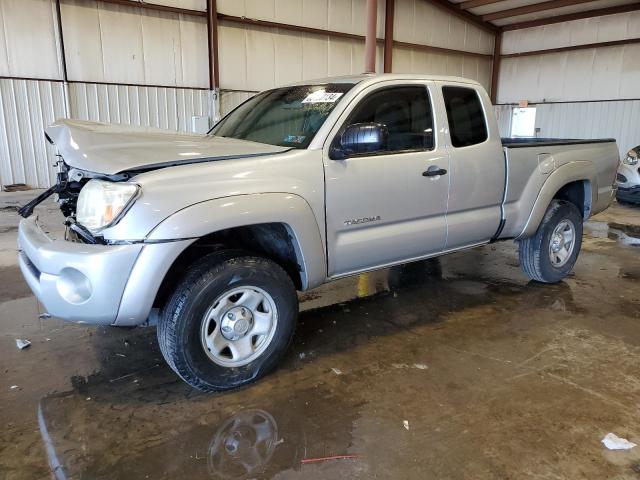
(360, 138)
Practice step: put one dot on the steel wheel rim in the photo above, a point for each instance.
(562, 243)
(239, 326)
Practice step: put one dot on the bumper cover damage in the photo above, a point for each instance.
(96, 284)
(75, 281)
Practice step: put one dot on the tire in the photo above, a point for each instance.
(214, 356)
(537, 257)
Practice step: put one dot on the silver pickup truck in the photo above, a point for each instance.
(210, 236)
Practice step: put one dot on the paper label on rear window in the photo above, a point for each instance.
(320, 96)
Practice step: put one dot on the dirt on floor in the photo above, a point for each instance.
(456, 368)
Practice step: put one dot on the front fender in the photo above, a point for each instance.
(571, 172)
(292, 210)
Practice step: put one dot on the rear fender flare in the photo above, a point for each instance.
(568, 173)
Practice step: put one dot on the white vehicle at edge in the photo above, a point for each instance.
(628, 177)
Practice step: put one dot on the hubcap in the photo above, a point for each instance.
(562, 242)
(239, 326)
(236, 323)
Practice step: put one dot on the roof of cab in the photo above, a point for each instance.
(376, 77)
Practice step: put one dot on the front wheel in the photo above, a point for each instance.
(551, 253)
(228, 322)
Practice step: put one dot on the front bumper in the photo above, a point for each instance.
(97, 284)
(75, 281)
(631, 195)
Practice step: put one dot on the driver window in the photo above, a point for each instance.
(405, 111)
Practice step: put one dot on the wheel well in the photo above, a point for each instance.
(578, 193)
(270, 240)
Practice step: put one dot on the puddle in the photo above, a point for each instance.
(237, 436)
(622, 233)
(626, 234)
(633, 274)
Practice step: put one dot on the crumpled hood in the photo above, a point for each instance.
(110, 149)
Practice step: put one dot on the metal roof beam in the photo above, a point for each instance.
(467, 4)
(535, 8)
(453, 9)
(573, 16)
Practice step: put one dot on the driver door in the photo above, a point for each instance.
(386, 207)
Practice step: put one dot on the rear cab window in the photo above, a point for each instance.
(467, 122)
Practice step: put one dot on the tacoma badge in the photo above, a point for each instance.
(358, 221)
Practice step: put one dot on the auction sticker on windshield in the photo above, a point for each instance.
(320, 96)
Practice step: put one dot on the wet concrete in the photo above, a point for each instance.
(495, 377)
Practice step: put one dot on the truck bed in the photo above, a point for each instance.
(520, 142)
(530, 162)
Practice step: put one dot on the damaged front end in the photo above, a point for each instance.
(70, 182)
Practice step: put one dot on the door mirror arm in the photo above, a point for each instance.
(336, 153)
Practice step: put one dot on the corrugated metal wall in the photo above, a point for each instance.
(26, 107)
(230, 100)
(345, 16)
(503, 115)
(104, 43)
(29, 39)
(254, 58)
(591, 74)
(118, 44)
(169, 108)
(420, 22)
(619, 120)
(614, 119)
(411, 60)
(597, 89)
(577, 32)
(417, 21)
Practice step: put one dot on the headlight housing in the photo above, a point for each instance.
(630, 160)
(102, 203)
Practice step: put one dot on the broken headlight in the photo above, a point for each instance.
(101, 203)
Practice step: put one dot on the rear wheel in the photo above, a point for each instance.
(228, 322)
(551, 253)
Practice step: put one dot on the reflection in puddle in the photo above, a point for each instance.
(623, 233)
(627, 234)
(126, 433)
(243, 445)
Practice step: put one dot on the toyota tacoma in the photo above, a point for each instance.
(210, 236)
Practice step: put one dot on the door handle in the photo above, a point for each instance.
(434, 171)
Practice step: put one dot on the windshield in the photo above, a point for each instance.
(288, 117)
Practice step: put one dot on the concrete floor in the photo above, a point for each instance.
(454, 368)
